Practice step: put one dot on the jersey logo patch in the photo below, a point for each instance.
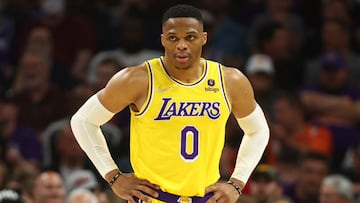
(211, 88)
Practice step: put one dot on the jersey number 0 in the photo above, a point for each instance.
(189, 153)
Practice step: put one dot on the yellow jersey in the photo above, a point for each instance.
(178, 135)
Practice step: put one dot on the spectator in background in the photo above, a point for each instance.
(353, 171)
(336, 104)
(23, 146)
(48, 188)
(132, 51)
(73, 36)
(226, 38)
(23, 182)
(38, 99)
(68, 157)
(291, 129)
(336, 9)
(282, 199)
(81, 196)
(69, 154)
(63, 154)
(85, 179)
(335, 37)
(313, 169)
(264, 184)
(336, 189)
(280, 11)
(287, 165)
(10, 196)
(260, 71)
(273, 39)
(104, 70)
(41, 38)
(97, 78)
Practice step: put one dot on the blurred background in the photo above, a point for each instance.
(301, 57)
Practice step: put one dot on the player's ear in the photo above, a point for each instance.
(162, 39)
(204, 38)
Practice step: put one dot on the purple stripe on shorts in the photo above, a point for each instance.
(171, 198)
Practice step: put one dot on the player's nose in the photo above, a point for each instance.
(182, 45)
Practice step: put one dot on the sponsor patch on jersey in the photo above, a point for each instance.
(211, 88)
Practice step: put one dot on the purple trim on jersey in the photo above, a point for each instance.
(171, 198)
(150, 92)
(184, 84)
(223, 87)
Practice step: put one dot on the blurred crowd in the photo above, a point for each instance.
(301, 57)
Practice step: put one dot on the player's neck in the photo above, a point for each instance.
(186, 75)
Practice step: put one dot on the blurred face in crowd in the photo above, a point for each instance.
(279, 46)
(335, 9)
(263, 188)
(312, 172)
(333, 37)
(261, 82)
(183, 39)
(68, 146)
(49, 188)
(285, 114)
(328, 194)
(34, 70)
(279, 4)
(40, 37)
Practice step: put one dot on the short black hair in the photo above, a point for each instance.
(182, 10)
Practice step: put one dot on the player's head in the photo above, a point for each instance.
(182, 11)
(183, 35)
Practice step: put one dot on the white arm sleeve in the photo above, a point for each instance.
(256, 137)
(85, 124)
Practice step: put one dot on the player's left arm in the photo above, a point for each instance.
(251, 119)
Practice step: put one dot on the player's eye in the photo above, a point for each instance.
(191, 37)
(172, 38)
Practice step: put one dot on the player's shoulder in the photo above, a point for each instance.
(132, 72)
(131, 76)
(232, 74)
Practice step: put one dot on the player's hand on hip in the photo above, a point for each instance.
(127, 186)
(223, 193)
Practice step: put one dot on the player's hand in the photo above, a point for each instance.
(127, 186)
(223, 193)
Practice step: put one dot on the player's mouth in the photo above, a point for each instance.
(182, 58)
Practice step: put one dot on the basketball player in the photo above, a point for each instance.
(179, 107)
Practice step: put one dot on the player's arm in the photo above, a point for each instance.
(127, 87)
(256, 135)
(252, 121)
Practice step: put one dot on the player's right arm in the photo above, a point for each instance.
(127, 87)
